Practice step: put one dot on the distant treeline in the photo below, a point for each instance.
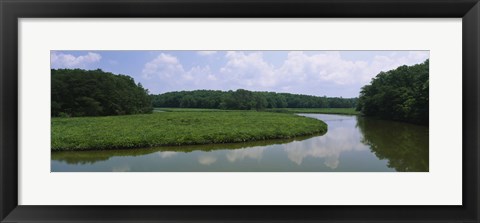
(246, 100)
(77, 92)
(400, 94)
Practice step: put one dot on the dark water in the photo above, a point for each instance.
(352, 144)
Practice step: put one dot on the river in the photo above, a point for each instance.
(352, 144)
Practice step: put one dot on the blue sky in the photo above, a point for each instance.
(330, 73)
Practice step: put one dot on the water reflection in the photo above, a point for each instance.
(351, 144)
(240, 154)
(167, 154)
(90, 157)
(329, 146)
(206, 159)
(124, 168)
(405, 146)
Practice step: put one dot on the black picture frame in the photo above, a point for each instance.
(12, 10)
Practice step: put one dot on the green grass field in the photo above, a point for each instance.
(189, 110)
(339, 111)
(177, 128)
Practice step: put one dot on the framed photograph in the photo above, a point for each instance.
(228, 111)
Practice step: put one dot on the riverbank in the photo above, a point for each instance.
(92, 156)
(177, 128)
(335, 111)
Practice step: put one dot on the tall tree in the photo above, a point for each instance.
(246, 100)
(400, 94)
(76, 92)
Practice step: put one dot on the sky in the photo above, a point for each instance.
(319, 73)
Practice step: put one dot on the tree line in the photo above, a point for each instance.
(77, 92)
(246, 100)
(400, 94)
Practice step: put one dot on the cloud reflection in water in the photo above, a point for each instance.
(207, 159)
(240, 154)
(328, 146)
(343, 136)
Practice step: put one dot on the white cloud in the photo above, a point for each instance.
(415, 56)
(206, 53)
(386, 63)
(251, 71)
(307, 73)
(168, 70)
(163, 66)
(321, 73)
(323, 67)
(62, 60)
(248, 70)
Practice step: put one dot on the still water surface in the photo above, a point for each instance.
(352, 144)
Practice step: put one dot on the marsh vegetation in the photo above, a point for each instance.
(107, 122)
(351, 144)
(178, 128)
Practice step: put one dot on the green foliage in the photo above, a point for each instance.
(96, 93)
(340, 111)
(400, 94)
(246, 100)
(178, 128)
(189, 110)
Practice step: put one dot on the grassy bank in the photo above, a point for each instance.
(178, 128)
(339, 111)
(92, 156)
(189, 110)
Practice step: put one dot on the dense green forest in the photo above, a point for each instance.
(77, 92)
(400, 94)
(246, 100)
